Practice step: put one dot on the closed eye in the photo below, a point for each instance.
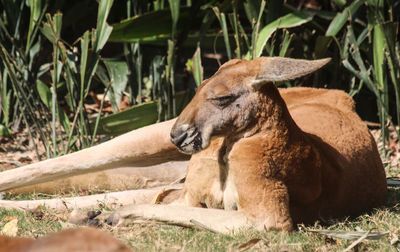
(223, 101)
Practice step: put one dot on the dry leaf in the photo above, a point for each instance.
(10, 228)
(351, 235)
(247, 245)
(8, 218)
(394, 239)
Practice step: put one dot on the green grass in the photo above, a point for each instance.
(151, 236)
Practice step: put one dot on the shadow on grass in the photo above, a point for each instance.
(393, 198)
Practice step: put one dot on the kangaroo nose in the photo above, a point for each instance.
(178, 139)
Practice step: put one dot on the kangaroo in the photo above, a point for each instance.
(277, 165)
(69, 240)
(260, 156)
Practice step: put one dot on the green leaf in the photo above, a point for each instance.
(47, 30)
(4, 131)
(341, 18)
(379, 55)
(84, 56)
(135, 117)
(44, 93)
(118, 72)
(285, 43)
(174, 7)
(251, 8)
(147, 27)
(222, 20)
(290, 20)
(46, 97)
(103, 30)
(197, 68)
(340, 3)
(321, 46)
(52, 28)
(256, 28)
(35, 13)
(130, 119)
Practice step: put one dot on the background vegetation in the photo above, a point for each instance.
(59, 57)
(72, 70)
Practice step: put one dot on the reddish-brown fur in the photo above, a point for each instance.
(279, 165)
(70, 240)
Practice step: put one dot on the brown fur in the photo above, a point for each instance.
(313, 159)
(71, 240)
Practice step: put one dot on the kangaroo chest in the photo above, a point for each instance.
(209, 181)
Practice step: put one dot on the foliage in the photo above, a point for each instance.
(47, 73)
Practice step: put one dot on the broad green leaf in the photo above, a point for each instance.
(118, 72)
(133, 118)
(290, 20)
(341, 18)
(147, 27)
(103, 30)
(136, 117)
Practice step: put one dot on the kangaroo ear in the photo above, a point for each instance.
(229, 63)
(282, 69)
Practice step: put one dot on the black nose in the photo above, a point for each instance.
(179, 139)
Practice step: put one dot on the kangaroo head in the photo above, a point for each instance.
(227, 102)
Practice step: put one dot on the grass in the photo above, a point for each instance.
(150, 236)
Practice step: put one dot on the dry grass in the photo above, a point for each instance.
(152, 236)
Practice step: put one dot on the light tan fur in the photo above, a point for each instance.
(119, 179)
(70, 240)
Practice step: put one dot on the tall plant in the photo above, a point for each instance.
(370, 51)
(70, 68)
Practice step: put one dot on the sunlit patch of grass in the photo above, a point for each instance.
(30, 225)
(150, 236)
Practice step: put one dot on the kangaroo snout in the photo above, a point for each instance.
(179, 138)
(186, 138)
